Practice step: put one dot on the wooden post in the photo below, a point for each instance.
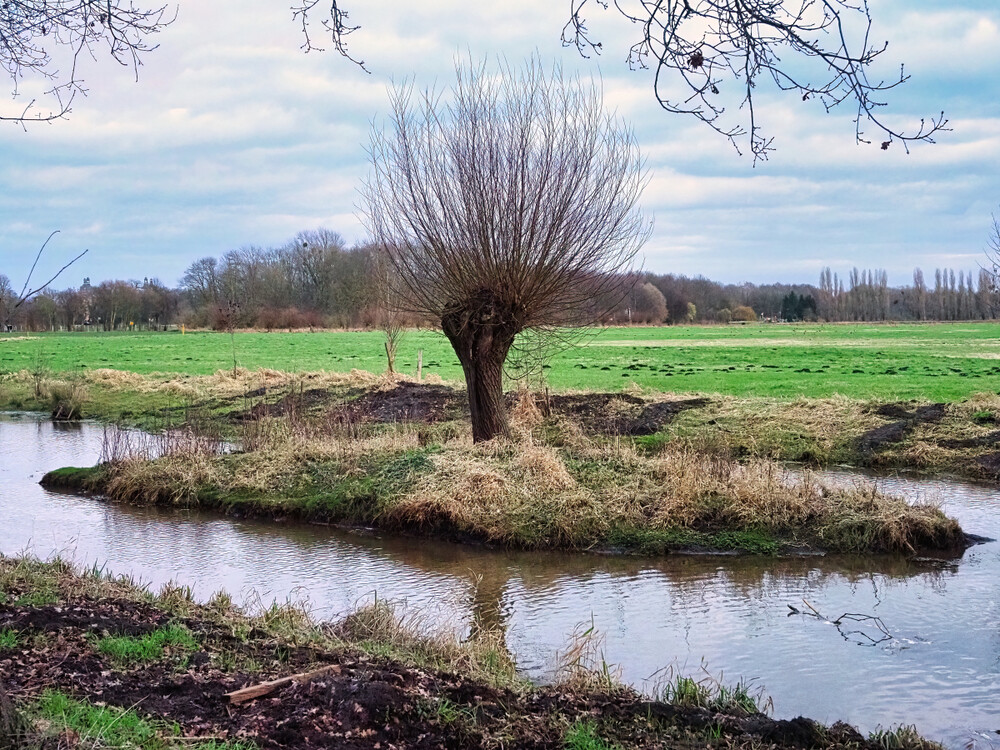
(420, 364)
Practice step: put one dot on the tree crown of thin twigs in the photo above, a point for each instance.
(516, 193)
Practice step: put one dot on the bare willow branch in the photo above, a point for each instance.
(335, 24)
(34, 265)
(24, 297)
(6, 309)
(31, 31)
(710, 56)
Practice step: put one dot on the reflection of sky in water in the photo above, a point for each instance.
(941, 669)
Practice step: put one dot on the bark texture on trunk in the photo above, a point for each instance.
(482, 337)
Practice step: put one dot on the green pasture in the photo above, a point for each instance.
(938, 362)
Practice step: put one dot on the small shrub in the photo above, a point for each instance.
(66, 400)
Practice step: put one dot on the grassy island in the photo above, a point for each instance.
(585, 471)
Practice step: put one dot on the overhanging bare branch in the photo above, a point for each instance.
(710, 57)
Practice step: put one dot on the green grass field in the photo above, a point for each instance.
(938, 362)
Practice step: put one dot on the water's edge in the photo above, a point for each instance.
(940, 668)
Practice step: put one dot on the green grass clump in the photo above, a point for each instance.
(39, 598)
(712, 694)
(127, 649)
(107, 727)
(903, 737)
(582, 735)
(102, 726)
(9, 638)
(73, 478)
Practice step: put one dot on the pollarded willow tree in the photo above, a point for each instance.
(508, 206)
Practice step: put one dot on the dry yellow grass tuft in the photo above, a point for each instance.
(524, 413)
(177, 480)
(543, 468)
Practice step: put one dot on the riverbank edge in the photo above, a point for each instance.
(944, 536)
(925, 439)
(362, 680)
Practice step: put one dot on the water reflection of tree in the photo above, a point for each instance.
(487, 574)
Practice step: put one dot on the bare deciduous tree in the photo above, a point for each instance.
(389, 318)
(508, 208)
(990, 298)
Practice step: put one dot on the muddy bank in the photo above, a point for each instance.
(65, 635)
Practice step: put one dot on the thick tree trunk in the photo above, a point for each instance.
(482, 348)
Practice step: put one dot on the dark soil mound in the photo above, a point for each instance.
(427, 403)
(984, 441)
(116, 617)
(287, 404)
(879, 438)
(620, 413)
(990, 464)
(407, 402)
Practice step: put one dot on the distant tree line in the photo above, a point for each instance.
(111, 305)
(317, 280)
(314, 280)
(865, 295)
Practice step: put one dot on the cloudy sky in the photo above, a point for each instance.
(233, 137)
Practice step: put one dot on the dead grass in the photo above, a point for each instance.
(812, 430)
(580, 493)
(66, 399)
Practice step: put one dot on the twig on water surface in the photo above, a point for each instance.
(862, 638)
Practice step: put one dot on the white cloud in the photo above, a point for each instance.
(232, 136)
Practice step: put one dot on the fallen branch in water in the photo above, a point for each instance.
(851, 617)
